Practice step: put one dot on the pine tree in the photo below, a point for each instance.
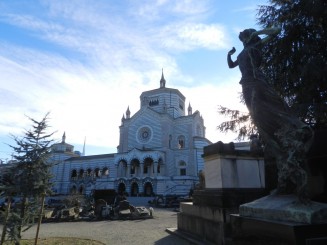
(296, 63)
(32, 177)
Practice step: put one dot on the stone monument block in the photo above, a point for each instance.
(285, 208)
(234, 171)
(280, 219)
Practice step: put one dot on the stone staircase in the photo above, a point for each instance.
(177, 189)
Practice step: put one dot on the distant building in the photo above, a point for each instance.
(159, 151)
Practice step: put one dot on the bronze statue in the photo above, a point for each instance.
(285, 137)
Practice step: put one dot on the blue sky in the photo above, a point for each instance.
(86, 61)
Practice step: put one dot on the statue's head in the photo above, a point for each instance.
(245, 36)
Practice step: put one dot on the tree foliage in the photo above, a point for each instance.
(295, 63)
(29, 178)
(239, 122)
(31, 153)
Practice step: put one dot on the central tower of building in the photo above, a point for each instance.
(160, 147)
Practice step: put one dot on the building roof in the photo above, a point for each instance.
(82, 158)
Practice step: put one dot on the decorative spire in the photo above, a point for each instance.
(189, 109)
(83, 154)
(162, 80)
(128, 113)
(123, 119)
(63, 138)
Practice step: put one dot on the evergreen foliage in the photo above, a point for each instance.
(29, 178)
(239, 122)
(295, 64)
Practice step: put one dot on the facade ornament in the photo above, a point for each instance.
(63, 138)
(189, 109)
(128, 113)
(162, 81)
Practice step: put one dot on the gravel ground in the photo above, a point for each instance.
(142, 232)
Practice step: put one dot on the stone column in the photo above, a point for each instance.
(141, 169)
(155, 168)
(128, 174)
(149, 168)
(117, 169)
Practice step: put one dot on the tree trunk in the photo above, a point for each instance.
(4, 230)
(40, 220)
(22, 216)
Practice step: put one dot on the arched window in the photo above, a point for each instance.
(181, 142)
(135, 163)
(89, 172)
(199, 130)
(122, 168)
(182, 168)
(97, 172)
(74, 174)
(105, 171)
(147, 163)
(133, 168)
(81, 174)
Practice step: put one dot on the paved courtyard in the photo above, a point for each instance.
(142, 232)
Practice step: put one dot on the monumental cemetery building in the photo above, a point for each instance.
(160, 151)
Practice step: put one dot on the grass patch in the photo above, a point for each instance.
(59, 241)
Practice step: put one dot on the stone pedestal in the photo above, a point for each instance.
(226, 197)
(203, 223)
(232, 177)
(234, 171)
(280, 219)
(255, 231)
(285, 208)
(207, 218)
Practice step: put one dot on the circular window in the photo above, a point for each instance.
(144, 134)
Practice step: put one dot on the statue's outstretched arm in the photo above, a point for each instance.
(230, 62)
(274, 30)
(270, 32)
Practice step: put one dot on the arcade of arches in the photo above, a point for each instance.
(89, 173)
(85, 176)
(134, 176)
(137, 188)
(135, 168)
(137, 175)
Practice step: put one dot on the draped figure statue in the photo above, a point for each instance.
(285, 136)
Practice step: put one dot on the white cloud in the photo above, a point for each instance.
(31, 23)
(188, 36)
(206, 100)
(102, 60)
(191, 7)
(159, 10)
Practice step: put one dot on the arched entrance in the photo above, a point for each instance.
(81, 189)
(148, 189)
(134, 189)
(73, 190)
(121, 188)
